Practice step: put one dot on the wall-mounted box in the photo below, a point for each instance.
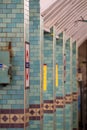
(4, 67)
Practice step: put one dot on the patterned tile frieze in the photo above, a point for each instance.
(60, 101)
(68, 98)
(75, 96)
(35, 112)
(12, 118)
(49, 106)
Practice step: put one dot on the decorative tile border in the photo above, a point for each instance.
(49, 106)
(75, 96)
(68, 99)
(14, 118)
(35, 112)
(60, 102)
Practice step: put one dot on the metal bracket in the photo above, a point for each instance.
(81, 20)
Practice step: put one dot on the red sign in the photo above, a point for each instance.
(27, 65)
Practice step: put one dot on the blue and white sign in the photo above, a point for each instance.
(1, 65)
(27, 65)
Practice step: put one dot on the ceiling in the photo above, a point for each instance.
(66, 15)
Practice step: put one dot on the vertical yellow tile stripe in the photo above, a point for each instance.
(57, 75)
(44, 77)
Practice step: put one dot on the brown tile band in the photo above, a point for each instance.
(68, 99)
(11, 125)
(75, 128)
(11, 111)
(75, 96)
(14, 118)
(60, 102)
(48, 101)
(49, 106)
(34, 106)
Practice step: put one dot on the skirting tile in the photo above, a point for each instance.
(75, 96)
(13, 118)
(49, 106)
(35, 112)
(60, 102)
(68, 99)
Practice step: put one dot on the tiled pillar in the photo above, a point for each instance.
(48, 86)
(59, 89)
(68, 89)
(54, 75)
(75, 89)
(12, 99)
(35, 64)
(41, 68)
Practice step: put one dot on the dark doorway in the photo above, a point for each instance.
(82, 65)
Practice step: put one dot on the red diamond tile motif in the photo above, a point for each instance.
(23, 118)
(15, 118)
(32, 112)
(5, 118)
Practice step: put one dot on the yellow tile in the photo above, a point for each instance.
(44, 77)
(57, 75)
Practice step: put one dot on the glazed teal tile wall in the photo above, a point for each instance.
(75, 88)
(12, 29)
(48, 95)
(48, 60)
(15, 18)
(59, 89)
(59, 61)
(68, 82)
(34, 38)
(68, 88)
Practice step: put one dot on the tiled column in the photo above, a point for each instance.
(75, 89)
(35, 82)
(41, 69)
(48, 91)
(68, 89)
(59, 89)
(12, 108)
